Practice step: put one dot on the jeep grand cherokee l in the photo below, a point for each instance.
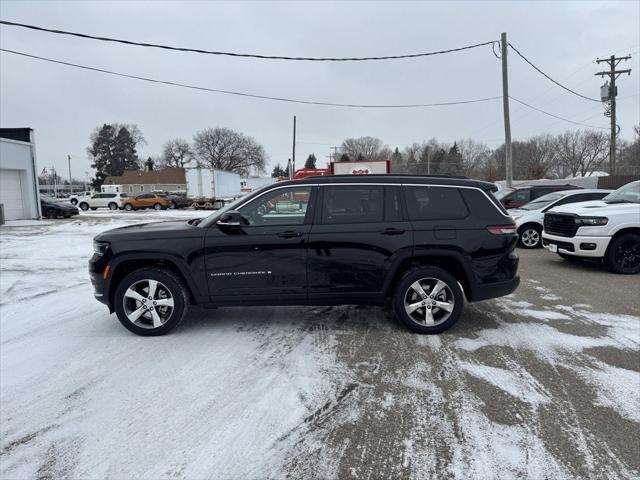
(425, 243)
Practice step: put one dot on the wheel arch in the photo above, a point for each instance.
(530, 224)
(619, 233)
(124, 266)
(451, 262)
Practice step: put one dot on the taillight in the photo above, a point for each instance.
(503, 230)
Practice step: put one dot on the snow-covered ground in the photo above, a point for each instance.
(544, 383)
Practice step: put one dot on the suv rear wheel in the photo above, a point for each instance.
(84, 206)
(530, 236)
(113, 206)
(157, 206)
(428, 300)
(150, 301)
(623, 255)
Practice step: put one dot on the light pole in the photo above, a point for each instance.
(70, 183)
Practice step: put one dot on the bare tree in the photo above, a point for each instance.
(366, 148)
(474, 156)
(582, 152)
(225, 149)
(176, 153)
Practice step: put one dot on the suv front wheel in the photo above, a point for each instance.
(428, 300)
(150, 301)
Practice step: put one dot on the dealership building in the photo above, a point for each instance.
(19, 194)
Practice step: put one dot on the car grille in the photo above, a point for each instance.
(558, 224)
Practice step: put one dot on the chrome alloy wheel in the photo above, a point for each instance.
(530, 237)
(148, 304)
(432, 308)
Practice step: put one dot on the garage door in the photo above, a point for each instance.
(11, 194)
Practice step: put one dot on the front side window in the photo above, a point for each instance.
(352, 204)
(435, 203)
(282, 206)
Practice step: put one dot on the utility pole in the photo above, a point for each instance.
(293, 156)
(70, 184)
(613, 74)
(505, 107)
(334, 156)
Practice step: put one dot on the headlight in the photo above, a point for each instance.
(591, 221)
(100, 247)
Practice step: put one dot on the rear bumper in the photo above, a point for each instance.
(574, 245)
(494, 290)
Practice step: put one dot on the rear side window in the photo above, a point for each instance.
(435, 203)
(352, 204)
(521, 196)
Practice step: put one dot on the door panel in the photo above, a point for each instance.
(265, 257)
(359, 235)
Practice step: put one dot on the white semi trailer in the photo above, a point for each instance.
(210, 188)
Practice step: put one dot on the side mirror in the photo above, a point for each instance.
(232, 218)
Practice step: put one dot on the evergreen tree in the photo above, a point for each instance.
(278, 171)
(454, 160)
(113, 150)
(149, 164)
(344, 158)
(396, 161)
(311, 161)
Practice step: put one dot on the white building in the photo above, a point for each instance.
(19, 193)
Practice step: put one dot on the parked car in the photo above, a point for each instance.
(176, 201)
(607, 230)
(146, 200)
(530, 217)
(112, 201)
(54, 208)
(75, 198)
(426, 243)
(523, 194)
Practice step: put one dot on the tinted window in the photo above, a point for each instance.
(352, 204)
(392, 208)
(283, 206)
(521, 196)
(434, 203)
(581, 197)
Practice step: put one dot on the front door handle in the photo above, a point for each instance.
(289, 234)
(393, 231)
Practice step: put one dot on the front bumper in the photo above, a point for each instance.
(574, 245)
(97, 265)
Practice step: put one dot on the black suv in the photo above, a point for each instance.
(426, 243)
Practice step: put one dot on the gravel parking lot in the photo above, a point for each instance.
(544, 383)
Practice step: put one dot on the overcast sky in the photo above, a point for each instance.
(63, 105)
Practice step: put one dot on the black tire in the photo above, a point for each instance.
(623, 254)
(50, 213)
(530, 236)
(128, 207)
(94, 208)
(74, 202)
(173, 206)
(113, 206)
(403, 290)
(176, 288)
(157, 206)
(84, 206)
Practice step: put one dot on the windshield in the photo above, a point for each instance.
(543, 201)
(629, 193)
(500, 194)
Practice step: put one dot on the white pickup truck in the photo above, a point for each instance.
(607, 229)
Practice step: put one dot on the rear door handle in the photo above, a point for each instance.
(393, 231)
(289, 234)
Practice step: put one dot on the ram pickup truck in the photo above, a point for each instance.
(607, 229)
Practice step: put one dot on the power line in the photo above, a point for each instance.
(235, 54)
(549, 78)
(553, 115)
(250, 95)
